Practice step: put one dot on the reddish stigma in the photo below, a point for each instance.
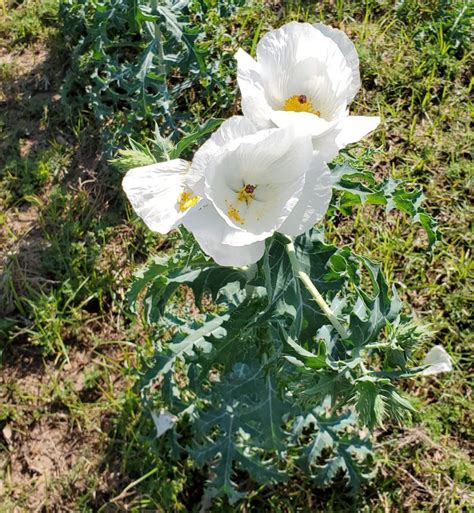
(302, 98)
(249, 189)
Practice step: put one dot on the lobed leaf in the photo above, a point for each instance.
(357, 187)
(266, 377)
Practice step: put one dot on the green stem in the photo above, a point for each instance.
(125, 491)
(290, 248)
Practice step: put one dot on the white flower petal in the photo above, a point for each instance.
(326, 146)
(350, 53)
(230, 256)
(248, 73)
(209, 229)
(154, 192)
(163, 420)
(296, 55)
(350, 129)
(273, 162)
(230, 130)
(304, 121)
(317, 63)
(314, 200)
(353, 128)
(311, 78)
(254, 104)
(257, 110)
(438, 360)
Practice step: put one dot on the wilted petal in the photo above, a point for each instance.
(438, 360)
(163, 420)
(155, 191)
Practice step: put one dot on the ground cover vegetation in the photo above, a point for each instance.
(73, 87)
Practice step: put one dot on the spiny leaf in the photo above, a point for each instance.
(334, 452)
(287, 297)
(357, 187)
(268, 360)
(198, 133)
(375, 310)
(245, 403)
(184, 344)
(137, 155)
(161, 277)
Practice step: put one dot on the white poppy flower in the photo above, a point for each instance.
(159, 195)
(242, 186)
(253, 184)
(438, 360)
(305, 75)
(162, 194)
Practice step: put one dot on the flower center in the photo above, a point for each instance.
(243, 194)
(186, 200)
(246, 193)
(300, 103)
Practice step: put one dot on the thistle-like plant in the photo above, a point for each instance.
(134, 61)
(296, 346)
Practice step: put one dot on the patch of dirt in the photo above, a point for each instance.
(23, 117)
(24, 76)
(19, 235)
(25, 146)
(50, 457)
(25, 71)
(29, 81)
(57, 426)
(29, 114)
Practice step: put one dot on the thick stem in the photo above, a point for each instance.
(290, 248)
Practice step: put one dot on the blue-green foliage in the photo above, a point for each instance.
(259, 375)
(356, 186)
(264, 379)
(136, 62)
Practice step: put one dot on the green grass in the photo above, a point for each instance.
(31, 22)
(69, 347)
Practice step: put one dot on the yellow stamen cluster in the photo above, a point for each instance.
(186, 200)
(246, 193)
(234, 214)
(300, 103)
